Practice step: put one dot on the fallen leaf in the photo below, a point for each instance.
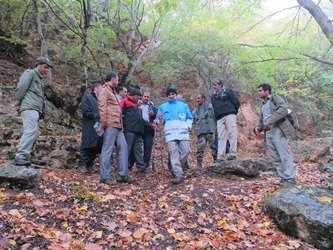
(133, 217)
(325, 199)
(92, 246)
(124, 233)
(98, 234)
(15, 213)
(138, 234)
(110, 225)
(48, 191)
(83, 208)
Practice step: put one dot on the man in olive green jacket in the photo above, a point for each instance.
(204, 119)
(276, 127)
(31, 102)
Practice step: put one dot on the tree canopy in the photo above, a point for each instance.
(185, 41)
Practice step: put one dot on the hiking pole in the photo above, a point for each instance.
(154, 150)
(161, 143)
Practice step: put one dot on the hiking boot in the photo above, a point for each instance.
(218, 161)
(109, 182)
(22, 162)
(231, 157)
(125, 179)
(178, 180)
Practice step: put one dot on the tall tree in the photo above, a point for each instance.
(321, 18)
(43, 46)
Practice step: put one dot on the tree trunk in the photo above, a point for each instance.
(44, 47)
(86, 13)
(321, 18)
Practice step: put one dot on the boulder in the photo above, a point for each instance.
(304, 212)
(245, 167)
(18, 176)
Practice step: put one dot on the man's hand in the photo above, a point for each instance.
(160, 117)
(256, 130)
(269, 126)
(18, 110)
(153, 124)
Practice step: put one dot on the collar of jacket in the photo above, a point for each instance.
(38, 73)
(129, 102)
(267, 99)
(173, 100)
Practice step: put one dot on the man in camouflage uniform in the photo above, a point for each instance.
(204, 119)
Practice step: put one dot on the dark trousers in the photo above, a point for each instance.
(148, 140)
(134, 143)
(88, 155)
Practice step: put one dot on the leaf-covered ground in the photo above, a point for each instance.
(69, 210)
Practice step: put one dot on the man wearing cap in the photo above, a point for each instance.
(31, 102)
(177, 119)
(133, 128)
(112, 124)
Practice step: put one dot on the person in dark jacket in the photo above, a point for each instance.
(149, 112)
(226, 105)
(133, 128)
(91, 143)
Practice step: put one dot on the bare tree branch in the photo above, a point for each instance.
(293, 7)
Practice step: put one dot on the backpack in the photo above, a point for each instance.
(291, 117)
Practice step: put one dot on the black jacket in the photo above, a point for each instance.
(225, 102)
(90, 116)
(132, 118)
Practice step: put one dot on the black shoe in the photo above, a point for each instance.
(125, 179)
(109, 182)
(22, 162)
(231, 157)
(178, 180)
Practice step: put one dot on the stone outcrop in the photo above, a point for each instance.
(244, 167)
(18, 176)
(304, 212)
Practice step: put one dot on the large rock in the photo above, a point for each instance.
(245, 167)
(18, 176)
(304, 212)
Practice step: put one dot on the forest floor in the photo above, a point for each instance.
(70, 210)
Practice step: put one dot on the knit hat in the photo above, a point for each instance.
(135, 91)
(170, 89)
(43, 60)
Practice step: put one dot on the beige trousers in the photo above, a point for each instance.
(227, 130)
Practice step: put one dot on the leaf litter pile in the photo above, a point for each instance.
(70, 210)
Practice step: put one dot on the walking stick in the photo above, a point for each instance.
(154, 150)
(162, 144)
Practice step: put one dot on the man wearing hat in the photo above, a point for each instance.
(177, 119)
(133, 128)
(31, 102)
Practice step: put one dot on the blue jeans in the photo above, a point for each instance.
(110, 137)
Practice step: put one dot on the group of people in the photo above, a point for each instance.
(122, 123)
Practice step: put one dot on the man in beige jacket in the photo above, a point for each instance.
(111, 123)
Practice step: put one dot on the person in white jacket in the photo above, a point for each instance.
(177, 119)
